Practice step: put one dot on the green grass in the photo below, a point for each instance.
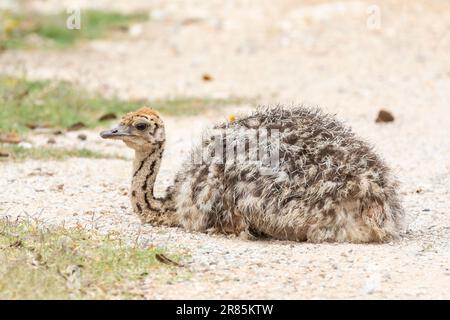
(62, 263)
(52, 30)
(19, 153)
(60, 104)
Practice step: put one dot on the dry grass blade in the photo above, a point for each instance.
(16, 244)
(163, 259)
(34, 126)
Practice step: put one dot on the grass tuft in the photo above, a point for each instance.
(60, 104)
(20, 153)
(62, 263)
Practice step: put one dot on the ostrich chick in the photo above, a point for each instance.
(324, 184)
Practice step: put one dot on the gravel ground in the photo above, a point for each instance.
(315, 52)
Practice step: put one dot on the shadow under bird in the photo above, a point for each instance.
(328, 186)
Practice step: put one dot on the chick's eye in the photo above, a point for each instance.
(141, 126)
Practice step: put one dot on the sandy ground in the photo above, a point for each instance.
(314, 52)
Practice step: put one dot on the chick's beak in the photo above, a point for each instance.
(117, 132)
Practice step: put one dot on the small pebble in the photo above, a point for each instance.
(25, 145)
(207, 77)
(135, 30)
(384, 116)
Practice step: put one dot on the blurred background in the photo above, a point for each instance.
(75, 64)
(337, 54)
